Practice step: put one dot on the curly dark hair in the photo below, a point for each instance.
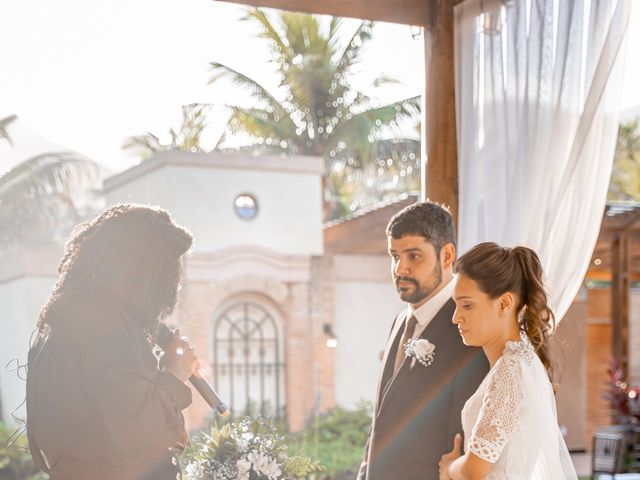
(134, 250)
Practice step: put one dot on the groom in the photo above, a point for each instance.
(418, 406)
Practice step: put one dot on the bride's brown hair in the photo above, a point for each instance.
(518, 270)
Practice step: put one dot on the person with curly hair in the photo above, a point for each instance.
(99, 403)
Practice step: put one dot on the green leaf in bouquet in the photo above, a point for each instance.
(301, 467)
(255, 427)
(220, 445)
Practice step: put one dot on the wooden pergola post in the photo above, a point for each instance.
(439, 147)
(620, 299)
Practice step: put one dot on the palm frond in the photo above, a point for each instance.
(377, 119)
(219, 146)
(144, 146)
(221, 71)
(353, 52)
(38, 191)
(4, 123)
(194, 121)
(334, 27)
(185, 138)
(302, 32)
(269, 32)
(260, 123)
(384, 79)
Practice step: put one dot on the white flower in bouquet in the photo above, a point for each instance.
(245, 440)
(265, 465)
(252, 448)
(271, 470)
(244, 469)
(258, 460)
(193, 471)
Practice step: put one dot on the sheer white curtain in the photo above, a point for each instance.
(537, 99)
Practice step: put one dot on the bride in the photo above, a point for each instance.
(509, 423)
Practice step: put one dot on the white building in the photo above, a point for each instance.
(266, 284)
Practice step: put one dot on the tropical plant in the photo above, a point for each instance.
(185, 138)
(4, 123)
(625, 177)
(38, 196)
(623, 397)
(316, 110)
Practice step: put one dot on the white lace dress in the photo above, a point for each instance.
(511, 420)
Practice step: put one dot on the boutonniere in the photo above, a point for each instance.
(421, 350)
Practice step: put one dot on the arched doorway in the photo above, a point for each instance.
(248, 359)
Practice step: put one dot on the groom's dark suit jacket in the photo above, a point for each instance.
(417, 412)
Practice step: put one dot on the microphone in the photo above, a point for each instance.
(164, 335)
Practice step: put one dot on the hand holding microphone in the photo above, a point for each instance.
(180, 360)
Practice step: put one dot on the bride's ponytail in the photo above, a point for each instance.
(536, 317)
(498, 270)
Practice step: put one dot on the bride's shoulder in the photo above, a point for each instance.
(521, 350)
(517, 358)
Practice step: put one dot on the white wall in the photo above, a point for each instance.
(200, 194)
(26, 280)
(365, 304)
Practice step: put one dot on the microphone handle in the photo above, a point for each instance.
(207, 392)
(164, 336)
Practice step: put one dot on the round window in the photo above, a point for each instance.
(246, 206)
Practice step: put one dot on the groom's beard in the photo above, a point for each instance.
(420, 292)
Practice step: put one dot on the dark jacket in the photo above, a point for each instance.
(97, 405)
(418, 410)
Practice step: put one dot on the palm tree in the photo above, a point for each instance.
(4, 123)
(185, 138)
(625, 177)
(316, 110)
(38, 195)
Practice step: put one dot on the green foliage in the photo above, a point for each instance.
(337, 440)
(15, 460)
(625, 177)
(221, 444)
(303, 467)
(317, 111)
(38, 195)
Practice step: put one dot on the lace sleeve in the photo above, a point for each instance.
(499, 413)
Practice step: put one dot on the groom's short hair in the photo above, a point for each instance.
(427, 219)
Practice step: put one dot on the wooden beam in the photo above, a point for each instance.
(409, 12)
(620, 300)
(440, 152)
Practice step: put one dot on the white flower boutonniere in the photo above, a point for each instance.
(421, 350)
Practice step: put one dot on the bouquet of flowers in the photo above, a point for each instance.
(249, 450)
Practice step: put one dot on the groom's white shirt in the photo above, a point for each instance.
(426, 312)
